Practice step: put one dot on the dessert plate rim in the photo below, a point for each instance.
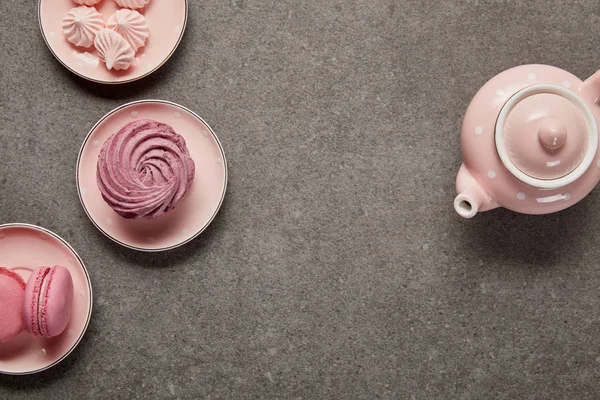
(191, 236)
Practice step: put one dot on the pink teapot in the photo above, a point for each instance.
(530, 142)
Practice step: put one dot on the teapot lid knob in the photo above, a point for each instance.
(552, 134)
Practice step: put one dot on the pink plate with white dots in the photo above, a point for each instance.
(166, 21)
(23, 248)
(193, 213)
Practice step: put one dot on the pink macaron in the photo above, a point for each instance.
(48, 301)
(12, 289)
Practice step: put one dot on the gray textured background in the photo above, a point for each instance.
(337, 267)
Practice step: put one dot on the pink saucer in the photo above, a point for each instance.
(23, 248)
(166, 20)
(193, 213)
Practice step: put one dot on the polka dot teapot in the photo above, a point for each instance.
(530, 142)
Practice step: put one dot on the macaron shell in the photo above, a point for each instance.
(57, 301)
(11, 300)
(30, 301)
(55, 288)
(7, 272)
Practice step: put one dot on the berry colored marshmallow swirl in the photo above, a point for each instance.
(144, 169)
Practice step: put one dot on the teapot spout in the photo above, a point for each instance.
(472, 197)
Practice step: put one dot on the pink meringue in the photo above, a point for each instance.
(87, 2)
(144, 170)
(131, 25)
(113, 49)
(132, 3)
(81, 25)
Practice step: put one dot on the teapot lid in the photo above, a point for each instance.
(546, 136)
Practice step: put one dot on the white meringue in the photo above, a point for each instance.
(132, 3)
(87, 2)
(81, 24)
(113, 49)
(131, 25)
(86, 59)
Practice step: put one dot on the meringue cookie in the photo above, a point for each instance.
(87, 2)
(81, 25)
(144, 169)
(132, 3)
(131, 25)
(113, 49)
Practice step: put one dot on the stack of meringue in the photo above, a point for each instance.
(117, 40)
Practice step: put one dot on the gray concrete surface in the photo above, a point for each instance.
(337, 268)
